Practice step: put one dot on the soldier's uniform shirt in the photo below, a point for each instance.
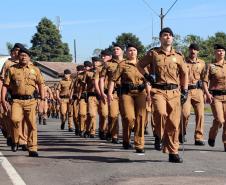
(168, 68)
(8, 63)
(23, 80)
(215, 77)
(64, 87)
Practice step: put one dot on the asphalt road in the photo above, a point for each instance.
(66, 159)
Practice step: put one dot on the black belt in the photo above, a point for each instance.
(165, 86)
(74, 97)
(83, 95)
(22, 97)
(217, 92)
(91, 94)
(64, 97)
(193, 86)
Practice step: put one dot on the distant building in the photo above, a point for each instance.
(54, 71)
(3, 58)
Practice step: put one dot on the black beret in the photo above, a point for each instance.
(95, 59)
(24, 50)
(18, 45)
(106, 52)
(131, 45)
(80, 67)
(166, 30)
(88, 64)
(194, 46)
(118, 45)
(67, 71)
(219, 46)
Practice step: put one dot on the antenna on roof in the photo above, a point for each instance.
(58, 23)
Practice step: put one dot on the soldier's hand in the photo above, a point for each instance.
(5, 105)
(184, 96)
(209, 98)
(104, 98)
(148, 99)
(110, 98)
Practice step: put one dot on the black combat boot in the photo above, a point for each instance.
(175, 158)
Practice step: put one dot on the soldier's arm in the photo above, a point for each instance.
(206, 86)
(101, 85)
(147, 59)
(50, 93)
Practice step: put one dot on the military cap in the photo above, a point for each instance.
(80, 67)
(131, 45)
(24, 50)
(118, 45)
(194, 46)
(67, 71)
(88, 64)
(219, 46)
(18, 45)
(106, 52)
(95, 59)
(166, 30)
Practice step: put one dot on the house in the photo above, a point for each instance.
(54, 71)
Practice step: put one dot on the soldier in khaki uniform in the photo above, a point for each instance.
(196, 70)
(7, 115)
(22, 78)
(83, 99)
(106, 56)
(133, 98)
(43, 105)
(63, 95)
(103, 106)
(74, 97)
(93, 98)
(215, 90)
(113, 104)
(169, 72)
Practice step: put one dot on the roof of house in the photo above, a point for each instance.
(55, 69)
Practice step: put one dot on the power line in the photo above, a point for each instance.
(161, 15)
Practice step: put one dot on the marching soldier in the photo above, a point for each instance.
(6, 115)
(114, 104)
(196, 70)
(93, 98)
(215, 90)
(43, 105)
(74, 97)
(63, 95)
(21, 79)
(133, 97)
(168, 73)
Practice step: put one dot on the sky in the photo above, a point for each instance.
(96, 23)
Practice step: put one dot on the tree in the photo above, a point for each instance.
(47, 44)
(96, 52)
(126, 38)
(9, 46)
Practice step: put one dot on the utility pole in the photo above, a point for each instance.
(161, 15)
(161, 18)
(75, 49)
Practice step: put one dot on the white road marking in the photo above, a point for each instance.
(199, 171)
(11, 171)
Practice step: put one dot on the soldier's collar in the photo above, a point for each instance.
(172, 51)
(221, 65)
(130, 63)
(189, 60)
